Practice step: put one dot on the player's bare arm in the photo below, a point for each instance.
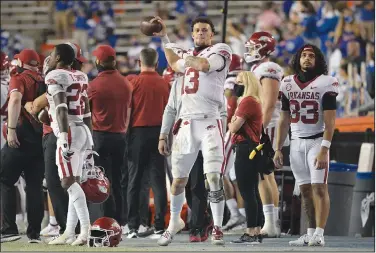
(282, 131)
(270, 90)
(14, 109)
(235, 124)
(87, 114)
(322, 159)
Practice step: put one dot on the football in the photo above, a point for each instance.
(148, 28)
(43, 117)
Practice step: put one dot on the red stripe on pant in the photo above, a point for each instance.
(223, 145)
(61, 162)
(326, 172)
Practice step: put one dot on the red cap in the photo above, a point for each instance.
(29, 57)
(77, 52)
(103, 52)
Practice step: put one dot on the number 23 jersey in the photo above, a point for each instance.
(202, 93)
(74, 84)
(307, 102)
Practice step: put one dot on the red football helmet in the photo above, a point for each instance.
(235, 63)
(95, 185)
(259, 46)
(105, 232)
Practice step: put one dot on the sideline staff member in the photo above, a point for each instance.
(150, 96)
(110, 98)
(23, 150)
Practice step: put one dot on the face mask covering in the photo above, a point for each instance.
(99, 67)
(239, 90)
(20, 69)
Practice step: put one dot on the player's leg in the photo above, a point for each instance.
(53, 228)
(269, 195)
(212, 146)
(320, 193)
(303, 179)
(70, 172)
(184, 153)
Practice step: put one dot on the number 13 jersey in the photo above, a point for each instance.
(306, 103)
(202, 93)
(74, 84)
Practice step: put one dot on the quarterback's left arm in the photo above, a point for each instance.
(270, 92)
(329, 111)
(215, 62)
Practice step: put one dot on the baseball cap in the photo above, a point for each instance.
(29, 57)
(77, 52)
(103, 52)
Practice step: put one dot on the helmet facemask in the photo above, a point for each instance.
(252, 53)
(99, 237)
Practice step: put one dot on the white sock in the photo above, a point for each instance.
(19, 217)
(53, 221)
(217, 212)
(242, 211)
(310, 231)
(176, 205)
(269, 214)
(319, 231)
(72, 219)
(276, 214)
(79, 201)
(232, 205)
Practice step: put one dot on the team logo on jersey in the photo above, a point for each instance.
(335, 84)
(288, 86)
(287, 80)
(51, 81)
(225, 54)
(272, 71)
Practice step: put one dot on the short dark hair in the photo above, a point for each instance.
(108, 64)
(66, 53)
(321, 68)
(149, 57)
(204, 20)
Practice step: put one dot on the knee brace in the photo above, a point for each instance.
(214, 196)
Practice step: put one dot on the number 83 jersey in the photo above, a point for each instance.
(307, 102)
(74, 84)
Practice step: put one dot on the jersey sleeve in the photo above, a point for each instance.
(220, 58)
(283, 93)
(270, 70)
(329, 94)
(56, 81)
(85, 86)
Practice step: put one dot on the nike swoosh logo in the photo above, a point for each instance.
(313, 88)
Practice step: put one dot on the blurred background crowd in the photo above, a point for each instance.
(344, 30)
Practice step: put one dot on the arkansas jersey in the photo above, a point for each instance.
(74, 84)
(306, 103)
(202, 93)
(274, 71)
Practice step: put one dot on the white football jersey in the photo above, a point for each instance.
(74, 83)
(274, 71)
(306, 103)
(202, 93)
